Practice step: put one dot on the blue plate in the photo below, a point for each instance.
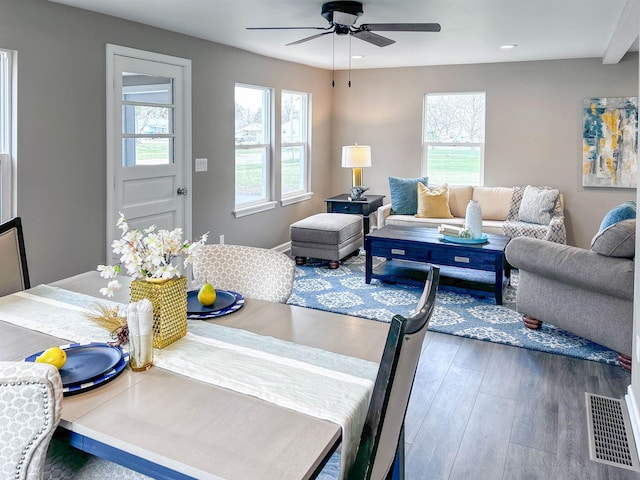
(469, 241)
(96, 382)
(224, 299)
(88, 365)
(212, 312)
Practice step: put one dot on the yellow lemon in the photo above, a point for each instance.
(207, 295)
(55, 356)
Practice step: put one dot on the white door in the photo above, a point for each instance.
(148, 141)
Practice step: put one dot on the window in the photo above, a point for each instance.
(253, 148)
(453, 138)
(7, 121)
(294, 156)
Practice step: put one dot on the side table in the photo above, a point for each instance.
(342, 204)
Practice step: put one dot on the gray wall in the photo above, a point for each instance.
(61, 131)
(533, 128)
(533, 125)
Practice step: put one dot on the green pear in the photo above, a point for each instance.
(207, 295)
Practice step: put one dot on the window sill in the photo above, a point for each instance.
(296, 198)
(244, 211)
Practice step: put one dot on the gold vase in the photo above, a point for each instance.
(169, 300)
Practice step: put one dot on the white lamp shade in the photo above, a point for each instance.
(354, 156)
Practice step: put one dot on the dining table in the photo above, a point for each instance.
(171, 425)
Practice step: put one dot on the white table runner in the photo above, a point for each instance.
(308, 380)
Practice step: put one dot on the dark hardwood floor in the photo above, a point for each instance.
(483, 411)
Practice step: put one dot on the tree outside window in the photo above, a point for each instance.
(453, 138)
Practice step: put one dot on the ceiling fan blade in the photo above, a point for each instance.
(306, 39)
(288, 28)
(373, 38)
(400, 27)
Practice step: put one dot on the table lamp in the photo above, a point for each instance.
(356, 157)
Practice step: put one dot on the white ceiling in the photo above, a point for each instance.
(472, 30)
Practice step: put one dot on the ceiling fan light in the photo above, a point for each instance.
(342, 12)
(342, 18)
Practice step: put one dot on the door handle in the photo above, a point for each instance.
(182, 191)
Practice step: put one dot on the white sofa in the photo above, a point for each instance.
(500, 208)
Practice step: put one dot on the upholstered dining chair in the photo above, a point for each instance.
(382, 440)
(253, 272)
(30, 406)
(13, 259)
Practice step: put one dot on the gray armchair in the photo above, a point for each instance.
(586, 292)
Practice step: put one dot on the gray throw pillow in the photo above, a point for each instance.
(617, 240)
(537, 204)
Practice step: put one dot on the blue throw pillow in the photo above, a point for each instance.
(404, 194)
(625, 211)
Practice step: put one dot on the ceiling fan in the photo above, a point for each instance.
(342, 16)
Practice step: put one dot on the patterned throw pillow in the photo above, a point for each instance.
(537, 204)
(617, 240)
(433, 202)
(404, 194)
(624, 211)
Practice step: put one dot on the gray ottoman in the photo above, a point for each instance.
(327, 236)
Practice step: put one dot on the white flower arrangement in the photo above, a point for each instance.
(147, 253)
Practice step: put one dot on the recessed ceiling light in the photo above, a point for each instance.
(508, 45)
(357, 57)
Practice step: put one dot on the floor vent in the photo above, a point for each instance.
(610, 435)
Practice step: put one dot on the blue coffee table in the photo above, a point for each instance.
(468, 268)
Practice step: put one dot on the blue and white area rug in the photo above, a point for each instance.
(344, 290)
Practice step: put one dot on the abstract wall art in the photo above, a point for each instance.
(610, 142)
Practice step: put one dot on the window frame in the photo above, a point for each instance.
(8, 84)
(426, 144)
(303, 193)
(266, 201)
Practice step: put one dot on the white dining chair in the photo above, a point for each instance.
(382, 440)
(13, 258)
(253, 272)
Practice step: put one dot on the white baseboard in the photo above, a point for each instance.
(634, 415)
(284, 248)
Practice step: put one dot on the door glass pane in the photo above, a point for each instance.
(292, 169)
(147, 151)
(251, 167)
(148, 120)
(137, 87)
